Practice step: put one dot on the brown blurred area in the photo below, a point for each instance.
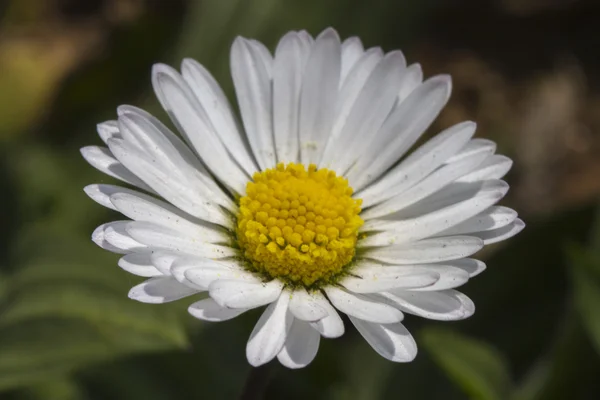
(42, 42)
(517, 73)
(56, 35)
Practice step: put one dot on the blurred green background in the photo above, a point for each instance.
(528, 71)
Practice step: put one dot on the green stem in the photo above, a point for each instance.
(257, 382)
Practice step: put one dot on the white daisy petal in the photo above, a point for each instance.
(101, 194)
(301, 345)
(452, 273)
(451, 195)
(205, 272)
(348, 95)
(494, 167)
(175, 141)
(369, 277)
(306, 43)
(116, 234)
(393, 342)
(186, 161)
(217, 107)
(401, 130)
(434, 182)
(412, 79)
(503, 233)
(421, 163)
(446, 305)
(450, 276)
(352, 50)
(332, 325)
(167, 260)
(265, 55)
(162, 146)
(186, 196)
(425, 225)
(99, 237)
(287, 79)
(171, 154)
(254, 94)
(107, 130)
(470, 265)
(362, 307)
(178, 270)
(140, 207)
(203, 277)
(209, 310)
(473, 147)
(319, 95)
(427, 250)
(374, 103)
(168, 239)
(139, 264)
(270, 332)
(307, 306)
(307, 39)
(179, 265)
(160, 290)
(102, 159)
(244, 294)
(163, 260)
(192, 121)
(493, 218)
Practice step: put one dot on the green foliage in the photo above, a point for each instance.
(362, 381)
(54, 389)
(585, 273)
(63, 311)
(474, 365)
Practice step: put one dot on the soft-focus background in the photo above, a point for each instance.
(528, 71)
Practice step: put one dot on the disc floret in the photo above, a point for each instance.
(298, 225)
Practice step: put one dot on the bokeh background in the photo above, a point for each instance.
(528, 71)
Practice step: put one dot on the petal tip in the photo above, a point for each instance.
(329, 32)
(98, 235)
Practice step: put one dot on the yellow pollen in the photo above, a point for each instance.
(298, 225)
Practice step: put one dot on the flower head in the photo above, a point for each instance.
(316, 206)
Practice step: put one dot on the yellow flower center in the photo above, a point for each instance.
(298, 226)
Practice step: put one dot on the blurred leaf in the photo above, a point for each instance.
(554, 377)
(585, 273)
(534, 382)
(364, 380)
(61, 314)
(215, 367)
(3, 286)
(49, 187)
(518, 295)
(478, 368)
(594, 239)
(54, 389)
(35, 350)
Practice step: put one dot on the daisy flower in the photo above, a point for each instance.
(314, 204)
